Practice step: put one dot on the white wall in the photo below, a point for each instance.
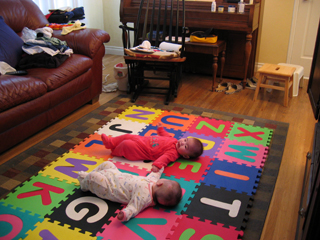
(111, 10)
(94, 14)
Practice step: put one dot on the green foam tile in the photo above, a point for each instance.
(40, 194)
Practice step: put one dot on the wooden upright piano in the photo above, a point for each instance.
(240, 31)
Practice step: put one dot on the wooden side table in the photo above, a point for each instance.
(210, 48)
(276, 73)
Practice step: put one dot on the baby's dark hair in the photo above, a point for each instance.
(199, 149)
(173, 198)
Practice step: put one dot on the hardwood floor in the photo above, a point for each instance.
(195, 91)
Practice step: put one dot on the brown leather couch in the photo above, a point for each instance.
(32, 102)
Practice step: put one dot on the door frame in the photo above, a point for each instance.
(293, 29)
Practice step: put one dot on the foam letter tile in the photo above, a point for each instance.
(152, 130)
(48, 230)
(14, 223)
(188, 190)
(210, 144)
(250, 134)
(128, 165)
(93, 147)
(232, 176)
(39, 195)
(140, 114)
(67, 166)
(243, 153)
(219, 206)
(188, 169)
(193, 229)
(148, 224)
(210, 127)
(129, 168)
(117, 127)
(175, 120)
(85, 211)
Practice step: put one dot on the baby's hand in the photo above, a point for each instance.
(120, 216)
(154, 169)
(159, 124)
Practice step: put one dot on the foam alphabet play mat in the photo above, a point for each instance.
(218, 188)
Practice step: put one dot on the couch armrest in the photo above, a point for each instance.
(86, 41)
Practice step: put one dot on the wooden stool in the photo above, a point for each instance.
(276, 73)
(210, 48)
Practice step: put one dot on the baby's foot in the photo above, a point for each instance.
(82, 174)
(105, 141)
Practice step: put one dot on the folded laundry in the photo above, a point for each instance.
(78, 13)
(51, 46)
(46, 52)
(44, 32)
(41, 60)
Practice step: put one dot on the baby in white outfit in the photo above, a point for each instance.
(107, 182)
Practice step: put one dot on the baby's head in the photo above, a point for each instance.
(189, 148)
(167, 192)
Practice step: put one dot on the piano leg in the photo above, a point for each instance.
(247, 57)
(222, 60)
(214, 68)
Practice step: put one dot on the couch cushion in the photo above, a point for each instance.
(11, 45)
(73, 67)
(15, 90)
(22, 13)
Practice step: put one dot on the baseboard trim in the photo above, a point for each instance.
(114, 50)
(257, 66)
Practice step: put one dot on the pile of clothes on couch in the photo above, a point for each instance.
(64, 15)
(42, 50)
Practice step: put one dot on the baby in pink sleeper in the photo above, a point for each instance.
(107, 182)
(162, 148)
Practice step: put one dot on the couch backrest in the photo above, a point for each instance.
(18, 14)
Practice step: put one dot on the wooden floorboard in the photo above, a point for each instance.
(195, 91)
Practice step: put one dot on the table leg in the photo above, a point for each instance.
(215, 68)
(286, 92)
(260, 80)
(291, 88)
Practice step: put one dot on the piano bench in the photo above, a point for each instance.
(210, 48)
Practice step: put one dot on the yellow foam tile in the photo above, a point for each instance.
(67, 166)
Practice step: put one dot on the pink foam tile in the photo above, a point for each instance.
(210, 127)
(130, 168)
(149, 224)
(243, 153)
(193, 229)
